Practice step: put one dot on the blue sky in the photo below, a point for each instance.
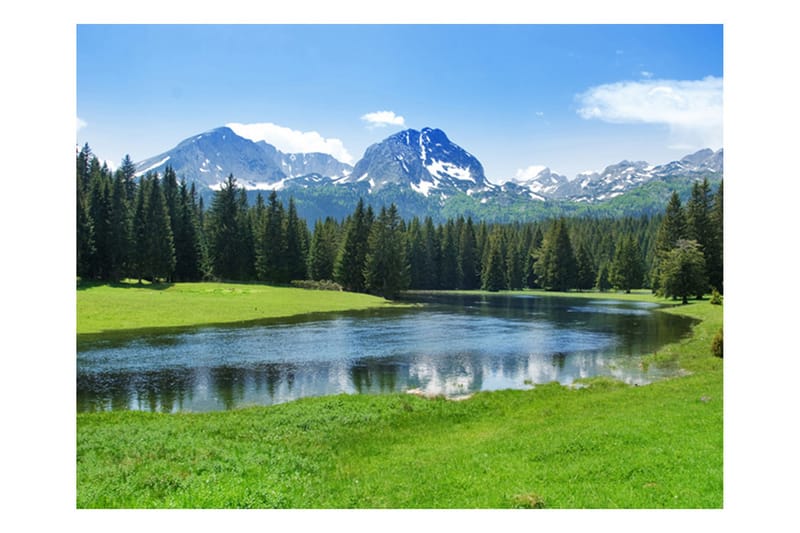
(570, 97)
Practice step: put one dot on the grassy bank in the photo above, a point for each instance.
(604, 446)
(129, 306)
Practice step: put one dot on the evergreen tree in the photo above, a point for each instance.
(100, 212)
(296, 245)
(160, 244)
(493, 275)
(672, 229)
(322, 253)
(188, 245)
(555, 267)
(469, 257)
(514, 265)
(603, 282)
(127, 172)
(715, 261)
(386, 268)
(698, 221)
(534, 250)
(351, 260)
(586, 272)
(246, 243)
(139, 259)
(223, 232)
(449, 277)
(683, 271)
(121, 236)
(627, 269)
(85, 229)
(272, 255)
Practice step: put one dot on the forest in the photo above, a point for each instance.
(157, 228)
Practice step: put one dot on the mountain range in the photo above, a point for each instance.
(426, 174)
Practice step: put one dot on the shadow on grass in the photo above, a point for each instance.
(82, 285)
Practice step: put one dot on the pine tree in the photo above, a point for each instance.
(603, 282)
(555, 267)
(683, 271)
(121, 236)
(698, 219)
(188, 246)
(715, 261)
(627, 270)
(100, 212)
(127, 171)
(272, 254)
(322, 253)
(449, 277)
(296, 245)
(514, 265)
(386, 268)
(469, 257)
(351, 259)
(586, 271)
(493, 275)
(672, 229)
(223, 232)
(160, 244)
(84, 228)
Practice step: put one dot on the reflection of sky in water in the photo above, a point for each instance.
(439, 350)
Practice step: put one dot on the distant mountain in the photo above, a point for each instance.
(208, 159)
(622, 177)
(425, 161)
(427, 174)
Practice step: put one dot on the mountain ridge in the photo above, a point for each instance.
(423, 171)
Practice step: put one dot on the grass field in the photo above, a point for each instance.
(604, 446)
(129, 306)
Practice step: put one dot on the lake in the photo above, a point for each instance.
(453, 345)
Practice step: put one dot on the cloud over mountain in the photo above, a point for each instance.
(292, 141)
(692, 109)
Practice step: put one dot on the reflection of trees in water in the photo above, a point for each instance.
(385, 375)
(232, 384)
(164, 390)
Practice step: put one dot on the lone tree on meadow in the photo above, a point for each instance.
(683, 271)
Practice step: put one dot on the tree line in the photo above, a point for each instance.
(157, 228)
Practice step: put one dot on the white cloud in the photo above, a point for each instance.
(379, 119)
(646, 74)
(80, 124)
(288, 140)
(692, 109)
(526, 174)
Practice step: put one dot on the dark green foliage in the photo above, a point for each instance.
(350, 263)
(714, 261)
(386, 267)
(469, 257)
(224, 232)
(556, 267)
(189, 248)
(603, 282)
(716, 344)
(683, 272)
(121, 233)
(449, 270)
(493, 277)
(587, 273)
(322, 252)
(296, 245)
(627, 270)
(317, 285)
(84, 225)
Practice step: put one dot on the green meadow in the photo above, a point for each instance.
(601, 445)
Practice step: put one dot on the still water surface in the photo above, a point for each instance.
(454, 345)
